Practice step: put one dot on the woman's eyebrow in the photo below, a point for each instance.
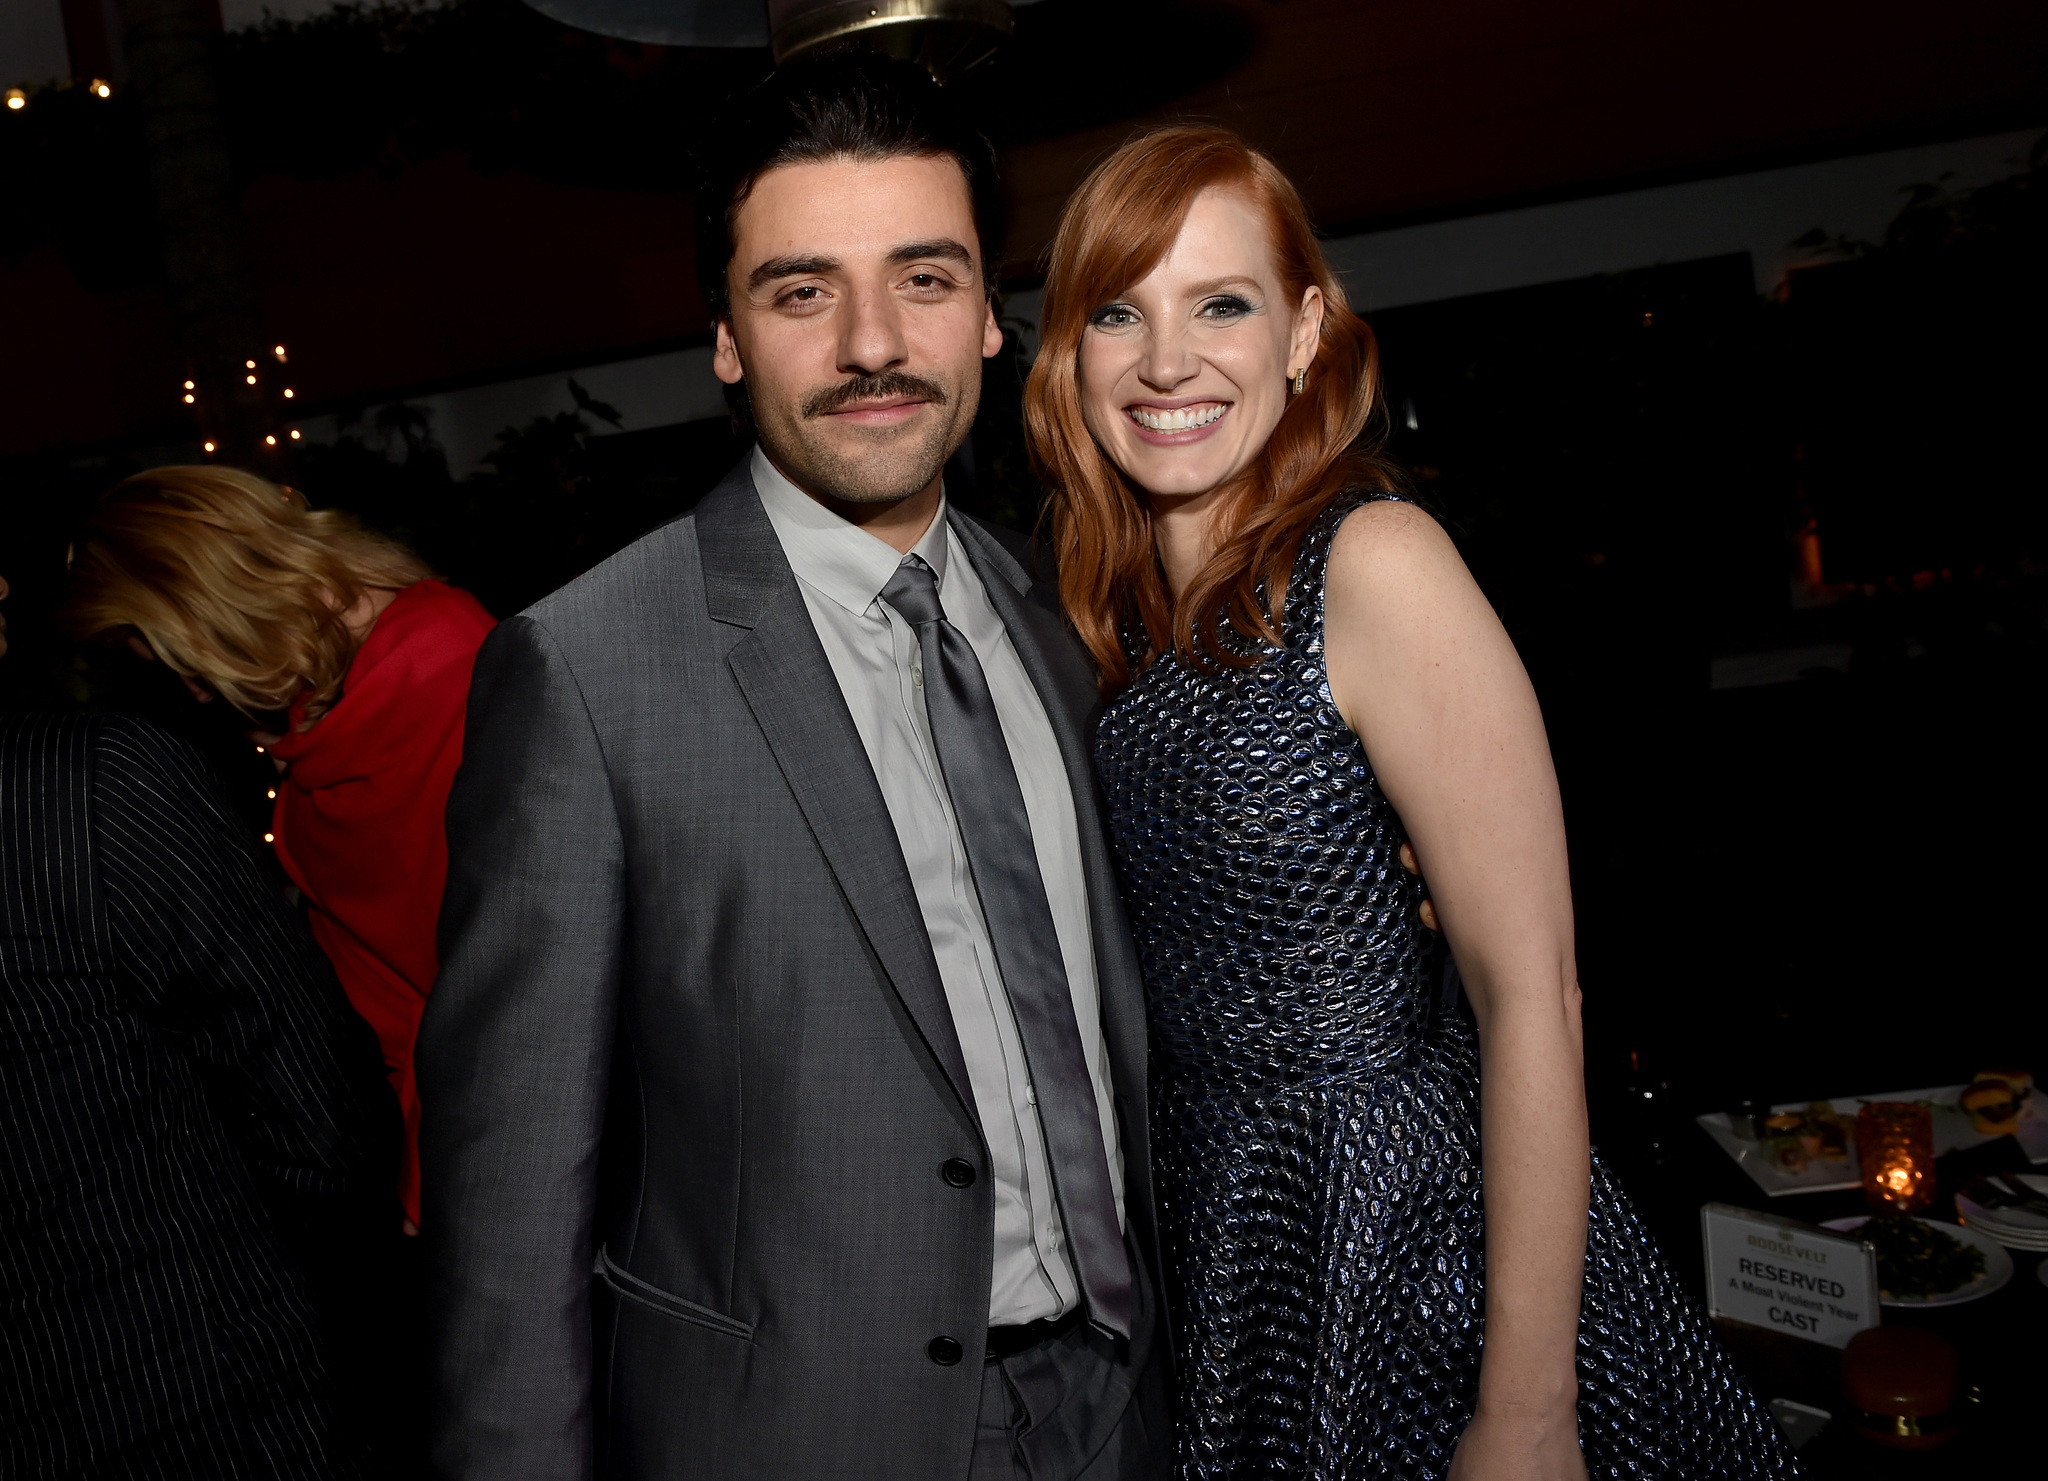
(1217, 285)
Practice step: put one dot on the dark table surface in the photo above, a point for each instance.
(2002, 1339)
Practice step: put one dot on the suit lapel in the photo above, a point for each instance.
(789, 685)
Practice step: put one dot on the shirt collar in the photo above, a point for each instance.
(833, 555)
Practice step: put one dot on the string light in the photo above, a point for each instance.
(188, 398)
(279, 352)
(295, 434)
(252, 380)
(209, 447)
(100, 88)
(287, 393)
(270, 837)
(16, 99)
(248, 364)
(270, 441)
(271, 793)
(190, 387)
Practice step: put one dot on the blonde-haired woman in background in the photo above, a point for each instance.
(1302, 681)
(249, 594)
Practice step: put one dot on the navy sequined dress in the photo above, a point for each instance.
(1316, 1113)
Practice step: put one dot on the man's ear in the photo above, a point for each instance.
(991, 334)
(725, 354)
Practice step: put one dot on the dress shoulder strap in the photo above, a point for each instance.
(1312, 563)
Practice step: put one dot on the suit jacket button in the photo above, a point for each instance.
(944, 1351)
(957, 1171)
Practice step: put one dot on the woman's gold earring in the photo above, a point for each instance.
(1301, 380)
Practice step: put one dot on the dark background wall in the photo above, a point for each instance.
(464, 192)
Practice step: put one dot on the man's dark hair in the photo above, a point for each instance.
(844, 105)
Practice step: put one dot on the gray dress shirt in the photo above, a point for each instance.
(841, 570)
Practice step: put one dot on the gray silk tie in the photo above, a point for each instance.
(989, 806)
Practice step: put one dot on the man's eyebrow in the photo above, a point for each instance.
(794, 266)
(941, 247)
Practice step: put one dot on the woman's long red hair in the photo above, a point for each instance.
(1115, 230)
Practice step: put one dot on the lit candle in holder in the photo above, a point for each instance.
(1895, 1145)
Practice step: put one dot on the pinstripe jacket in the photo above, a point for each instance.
(185, 1102)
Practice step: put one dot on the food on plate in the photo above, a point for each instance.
(1830, 1131)
(1993, 1109)
(1916, 1260)
(1785, 1154)
(1996, 1100)
(1793, 1140)
(2021, 1082)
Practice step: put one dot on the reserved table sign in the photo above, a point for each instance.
(1788, 1277)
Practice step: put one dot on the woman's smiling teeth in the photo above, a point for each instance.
(1182, 419)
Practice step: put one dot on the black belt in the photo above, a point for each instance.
(1007, 1342)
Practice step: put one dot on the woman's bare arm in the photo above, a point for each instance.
(1424, 673)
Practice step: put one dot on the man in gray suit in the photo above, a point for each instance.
(784, 1086)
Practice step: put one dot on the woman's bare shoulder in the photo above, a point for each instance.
(1393, 551)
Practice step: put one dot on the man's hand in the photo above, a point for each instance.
(1428, 910)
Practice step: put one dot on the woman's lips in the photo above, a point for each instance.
(1174, 426)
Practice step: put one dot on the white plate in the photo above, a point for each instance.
(2017, 1228)
(2014, 1242)
(1997, 1263)
(2005, 1234)
(1952, 1129)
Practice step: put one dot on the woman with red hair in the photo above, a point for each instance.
(1303, 683)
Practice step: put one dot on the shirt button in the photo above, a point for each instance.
(943, 1350)
(958, 1172)
(1031, 1095)
(1054, 1242)
(917, 678)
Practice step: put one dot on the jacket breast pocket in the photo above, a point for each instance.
(630, 1287)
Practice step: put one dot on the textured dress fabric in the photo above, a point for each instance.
(359, 820)
(1316, 1112)
(189, 1114)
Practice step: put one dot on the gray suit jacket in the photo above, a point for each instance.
(689, 1034)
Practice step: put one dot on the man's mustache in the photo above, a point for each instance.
(885, 385)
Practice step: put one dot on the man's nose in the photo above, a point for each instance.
(871, 334)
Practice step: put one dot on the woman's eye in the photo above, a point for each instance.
(1115, 316)
(1224, 308)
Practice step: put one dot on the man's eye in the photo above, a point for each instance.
(804, 293)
